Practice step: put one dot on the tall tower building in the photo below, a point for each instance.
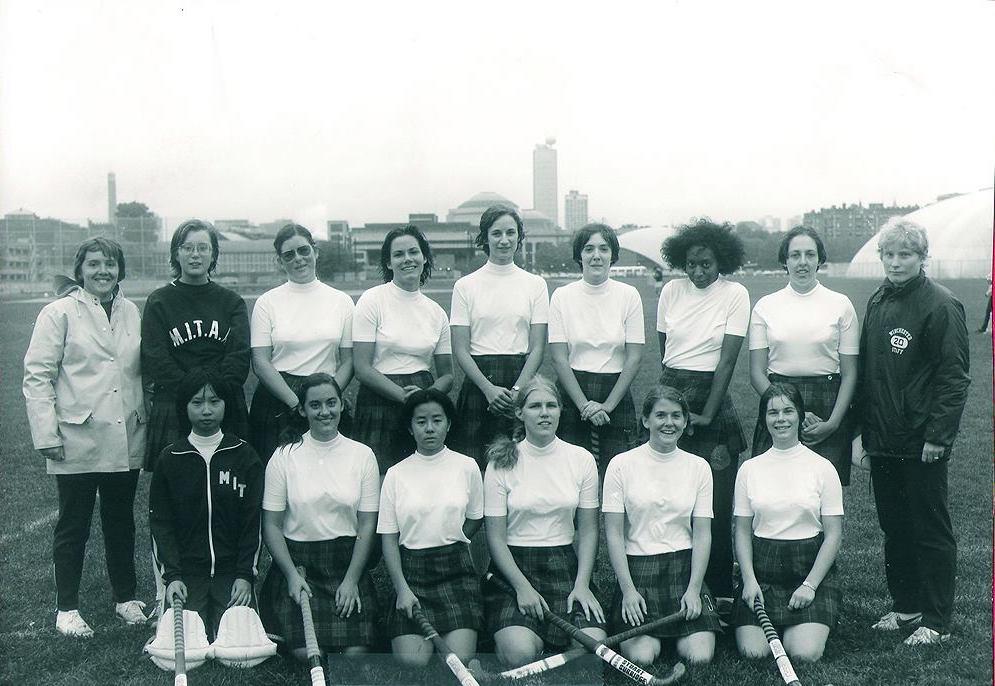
(111, 199)
(575, 210)
(545, 196)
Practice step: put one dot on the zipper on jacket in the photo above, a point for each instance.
(210, 516)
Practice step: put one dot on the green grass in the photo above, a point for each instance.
(31, 651)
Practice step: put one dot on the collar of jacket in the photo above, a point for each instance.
(227, 442)
(79, 294)
(891, 290)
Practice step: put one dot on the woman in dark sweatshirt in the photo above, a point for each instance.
(192, 322)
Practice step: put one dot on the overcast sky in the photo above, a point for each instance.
(369, 111)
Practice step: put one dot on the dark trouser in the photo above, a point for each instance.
(718, 574)
(209, 597)
(988, 315)
(920, 553)
(77, 493)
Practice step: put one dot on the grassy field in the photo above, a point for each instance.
(32, 652)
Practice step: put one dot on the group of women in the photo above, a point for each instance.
(519, 453)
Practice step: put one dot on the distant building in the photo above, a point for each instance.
(452, 242)
(339, 233)
(574, 210)
(846, 228)
(770, 223)
(33, 248)
(111, 198)
(240, 227)
(271, 228)
(545, 193)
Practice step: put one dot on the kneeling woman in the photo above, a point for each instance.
(658, 512)
(532, 491)
(320, 512)
(431, 504)
(789, 524)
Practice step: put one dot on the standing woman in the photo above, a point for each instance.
(658, 511)
(320, 512)
(809, 336)
(596, 340)
(431, 504)
(534, 492)
(499, 316)
(397, 332)
(192, 322)
(83, 390)
(299, 328)
(789, 524)
(701, 322)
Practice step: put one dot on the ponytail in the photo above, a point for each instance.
(502, 452)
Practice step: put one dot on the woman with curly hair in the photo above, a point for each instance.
(596, 339)
(398, 332)
(809, 336)
(701, 322)
(498, 320)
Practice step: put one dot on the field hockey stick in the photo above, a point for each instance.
(179, 650)
(780, 657)
(595, 443)
(616, 661)
(310, 638)
(554, 661)
(458, 669)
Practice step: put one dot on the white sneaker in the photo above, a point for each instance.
(132, 611)
(892, 621)
(69, 623)
(924, 636)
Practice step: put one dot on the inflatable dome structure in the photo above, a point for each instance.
(960, 239)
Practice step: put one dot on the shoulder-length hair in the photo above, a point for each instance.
(294, 432)
(426, 250)
(191, 384)
(780, 389)
(719, 238)
(487, 220)
(180, 235)
(110, 249)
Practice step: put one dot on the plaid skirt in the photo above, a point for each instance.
(163, 428)
(447, 587)
(269, 417)
(616, 437)
(552, 572)
(326, 563)
(662, 580)
(819, 394)
(781, 567)
(720, 442)
(477, 426)
(376, 418)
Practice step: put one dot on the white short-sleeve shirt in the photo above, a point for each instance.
(304, 324)
(542, 492)
(696, 320)
(426, 498)
(787, 492)
(321, 485)
(596, 322)
(407, 328)
(499, 303)
(805, 332)
(658, 493)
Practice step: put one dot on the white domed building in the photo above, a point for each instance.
(960, 239)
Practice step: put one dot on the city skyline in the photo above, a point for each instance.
(775, 110)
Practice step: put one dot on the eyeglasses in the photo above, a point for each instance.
(289, 255)
(199, 248)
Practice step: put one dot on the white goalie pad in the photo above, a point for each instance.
(242, 641)
(196, 648)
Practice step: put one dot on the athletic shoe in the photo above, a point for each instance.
(132, 611)
(924, 636)
(69, 623)
(892, 621)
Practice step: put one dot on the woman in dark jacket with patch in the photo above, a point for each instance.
(914, 363)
